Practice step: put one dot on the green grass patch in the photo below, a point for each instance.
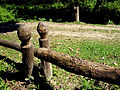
(107, 51)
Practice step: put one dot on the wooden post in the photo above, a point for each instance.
(27, 49)
(76, 13)
(44, 43)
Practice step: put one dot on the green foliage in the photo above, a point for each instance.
(104, 51)
(60, 10)
(110, 22)
(6, 16)
(3, 85)
(58, 5)
(88, 4)
(3, 67)
(91, 50)
(110, 11)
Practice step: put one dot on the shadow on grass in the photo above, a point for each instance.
(8, 27)
(40, 82)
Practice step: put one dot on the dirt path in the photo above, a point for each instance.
(77, 26)
(96, 35)
(74, 30)
(84, 26)
(78, 30)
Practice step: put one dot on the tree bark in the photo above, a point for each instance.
(81, 67)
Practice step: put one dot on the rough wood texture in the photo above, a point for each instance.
(27, 49)
(75, 65)
(24, 34)
(81, 67)
(9, 44)
(42, 30)
(44, 42)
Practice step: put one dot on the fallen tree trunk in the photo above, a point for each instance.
(72, 64)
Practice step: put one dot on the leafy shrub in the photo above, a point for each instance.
(6, 16)
(60, 10)
(3, 85)
(109, 11)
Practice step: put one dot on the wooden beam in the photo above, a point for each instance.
(81, 67)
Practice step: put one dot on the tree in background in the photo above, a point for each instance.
(76, 10)
(90, 11)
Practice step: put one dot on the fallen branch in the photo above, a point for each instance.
(72, 64)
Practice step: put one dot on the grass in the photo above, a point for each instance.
(105, 51)
(99, 51)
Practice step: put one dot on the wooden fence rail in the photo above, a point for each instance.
(81, 67)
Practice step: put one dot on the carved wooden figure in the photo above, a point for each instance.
(44, 43)
(27, 49)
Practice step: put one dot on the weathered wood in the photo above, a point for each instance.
(81, 67)
(27, 49)
(44, 42)
(76, 13)
(9, 44)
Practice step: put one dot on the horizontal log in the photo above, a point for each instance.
(81, 67)
(9, 44)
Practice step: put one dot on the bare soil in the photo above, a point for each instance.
(79, 30)
(70, 29)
